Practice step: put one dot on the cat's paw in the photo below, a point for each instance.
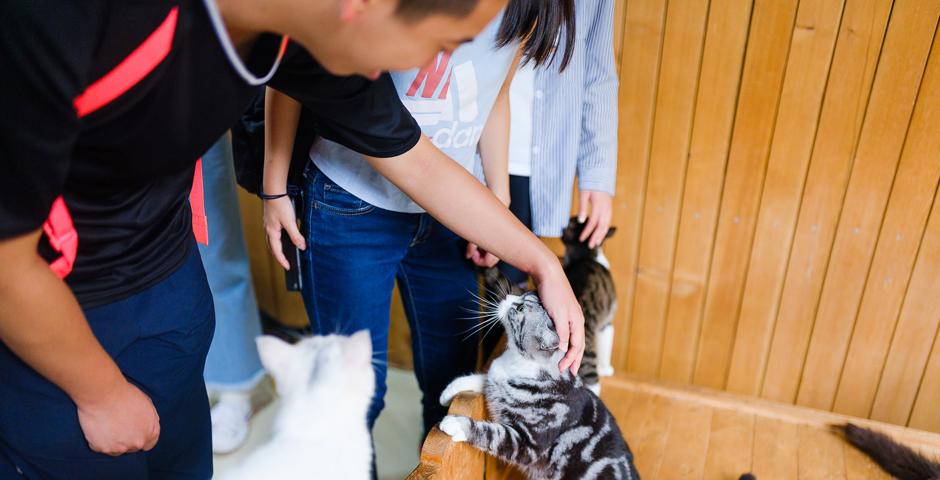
(468, 383)
(457, 427)
(605, 370)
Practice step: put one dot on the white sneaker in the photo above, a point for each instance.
(230, 418)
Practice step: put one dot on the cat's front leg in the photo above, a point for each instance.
(468, 383)
(496, 439)
(605, 348)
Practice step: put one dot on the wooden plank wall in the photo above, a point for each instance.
(778, 170)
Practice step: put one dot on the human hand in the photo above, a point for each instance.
(480, 257)
(601, 211)
(279, 215)
(560, 303)
(121, 421)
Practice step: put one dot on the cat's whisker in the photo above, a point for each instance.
(477, 328)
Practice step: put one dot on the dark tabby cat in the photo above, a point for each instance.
(544, 421)
(897, 460)
(588, 272)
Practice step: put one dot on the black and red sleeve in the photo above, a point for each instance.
(363, 115)
(46, 48)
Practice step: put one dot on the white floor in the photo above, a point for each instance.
(397, 432)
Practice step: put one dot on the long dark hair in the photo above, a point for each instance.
(538, 24)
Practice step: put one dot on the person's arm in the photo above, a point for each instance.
(494, 141)
(494, 155)
(281, 115)
(368, 117)
(41, 322)
(460, 202)
(45, 58)
(597, 154)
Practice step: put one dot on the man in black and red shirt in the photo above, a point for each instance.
(107, 107)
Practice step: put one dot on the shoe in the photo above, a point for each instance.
(230, 417)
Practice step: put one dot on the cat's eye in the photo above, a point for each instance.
(520, 307)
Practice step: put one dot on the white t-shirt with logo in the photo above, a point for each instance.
(451, 99)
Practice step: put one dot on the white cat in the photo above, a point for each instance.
(325, 384)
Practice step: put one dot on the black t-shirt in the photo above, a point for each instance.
(110, 103)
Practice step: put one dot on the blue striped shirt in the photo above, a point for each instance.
(574, 124)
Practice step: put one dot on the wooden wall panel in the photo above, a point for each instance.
(675, 100)
(808, 66)
(765, 63)
(898, 244)
(769, 262)
(919, 320)
(639, 70)
(716, 100)
(856, 57)
(899, 76)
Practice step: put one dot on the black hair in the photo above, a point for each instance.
(539, 24)
(416, 9)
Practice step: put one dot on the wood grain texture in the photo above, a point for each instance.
(730, 444)
(808, 67)
(844, 110)
(776, 448)
(675, 101)
(764, 67)
(919, 320)
(821, 455)
(716, 100)
(924, 415)
(639, 75)
(901, 237)
(687, 441)
(901, 69)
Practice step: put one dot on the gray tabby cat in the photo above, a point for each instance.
(588, 273)
(544, 421)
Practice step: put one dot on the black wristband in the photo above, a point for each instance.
(265, 196)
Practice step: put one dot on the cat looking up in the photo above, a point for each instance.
(545, 422)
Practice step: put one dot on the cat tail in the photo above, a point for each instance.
(747, 476)
(897, 460)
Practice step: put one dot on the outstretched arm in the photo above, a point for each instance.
(459, 201)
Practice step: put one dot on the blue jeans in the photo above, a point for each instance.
(355, 253)
(159, 339)
(233, 362)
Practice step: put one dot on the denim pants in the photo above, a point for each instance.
(355, 253)
(159, 339)
(233, 362)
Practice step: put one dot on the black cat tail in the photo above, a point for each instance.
(747, 476)
(897, 460)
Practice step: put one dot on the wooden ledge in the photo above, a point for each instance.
(444, 459)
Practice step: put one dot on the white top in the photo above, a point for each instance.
(451, 100)
(521, 97)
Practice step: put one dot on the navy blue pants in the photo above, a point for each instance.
(159, 339)
(521, 206)
(356, 252)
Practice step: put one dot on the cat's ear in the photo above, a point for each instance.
(275, 353)
(610, 233)
(359, 348)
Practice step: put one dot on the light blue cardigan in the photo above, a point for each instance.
(574, 124)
